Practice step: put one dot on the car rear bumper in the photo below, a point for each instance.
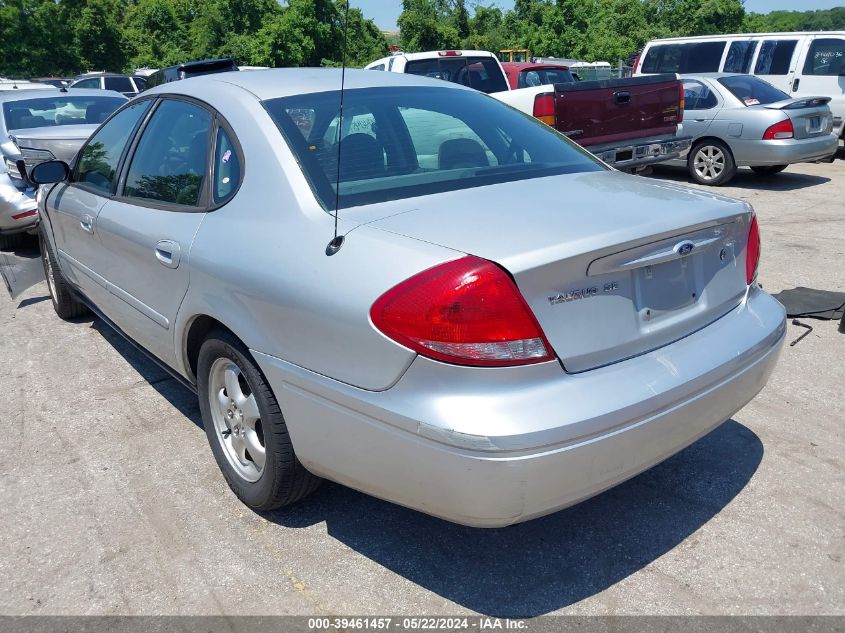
(784, 152)
(641, 153)
(490, 447)
(14, 201)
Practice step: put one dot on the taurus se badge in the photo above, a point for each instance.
(582, 293)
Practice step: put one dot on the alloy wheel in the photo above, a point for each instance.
(237, 421)
(709, 162)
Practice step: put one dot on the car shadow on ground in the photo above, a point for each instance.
(529, 569)
(549, 563)
(747, 179)
(171, 389)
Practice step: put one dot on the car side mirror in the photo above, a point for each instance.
(49, 172)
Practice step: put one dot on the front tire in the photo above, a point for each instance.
(246, 429)
(768, 170)
(66, 305)
(711, 163)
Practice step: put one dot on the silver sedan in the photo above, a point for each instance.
(38, 125)
(502, 327)
(743, 121)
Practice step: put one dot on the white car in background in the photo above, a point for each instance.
(801, 64)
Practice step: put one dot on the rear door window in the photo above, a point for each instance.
(88, 83)
(739, 57)
(775, 57)
(697, 96)
(99, 159)
(481, 73)
(171, 160)
(826, 57)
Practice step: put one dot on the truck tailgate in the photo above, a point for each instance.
(616, 110)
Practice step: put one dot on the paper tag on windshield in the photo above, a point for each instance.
(227, 156)
(751, 102)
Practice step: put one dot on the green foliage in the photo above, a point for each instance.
(65, 37)
(588, 29)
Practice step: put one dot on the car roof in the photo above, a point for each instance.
(15, 95)
(716, 75)
(530, 65)
(99, 74)
(286, 82)
(744, 36)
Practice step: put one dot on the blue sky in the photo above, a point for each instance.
(385, 12)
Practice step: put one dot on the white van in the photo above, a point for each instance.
(800, 64)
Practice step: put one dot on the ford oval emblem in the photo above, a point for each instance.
(684, 248)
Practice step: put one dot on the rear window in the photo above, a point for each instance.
(59, 110)
(753, 91)
(399, 143)
(693, 57)
(544, 77)
(775, 57)
(481, 73)
(119, 84)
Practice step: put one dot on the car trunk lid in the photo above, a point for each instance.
(613, 267)
(62, 141)
(810, 116)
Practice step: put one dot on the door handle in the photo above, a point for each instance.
(795, 84)
(622, 97)
(168, 253)
(700, 120)
(86, 222)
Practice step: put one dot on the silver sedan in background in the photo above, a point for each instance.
(35, 126)
(478, 345)
(743, 121)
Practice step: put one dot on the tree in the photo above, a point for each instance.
(98, 37)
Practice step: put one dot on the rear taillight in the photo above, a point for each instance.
(780, 130)
(467, 311)
(752, 251)
(681, 105)
(636, 64)
(544, 107)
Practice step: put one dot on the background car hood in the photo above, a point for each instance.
(62, 140)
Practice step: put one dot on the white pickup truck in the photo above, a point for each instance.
(628, 123)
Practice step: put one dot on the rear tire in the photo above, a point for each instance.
(768, 170)
(246, 429)
(66, 305)
(710, 162)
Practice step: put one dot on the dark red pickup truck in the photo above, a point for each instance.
(628, 123)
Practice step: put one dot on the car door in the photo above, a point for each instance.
(146, 231)
(776, 60)
(74, 206)
(701, 104)
(822, 72)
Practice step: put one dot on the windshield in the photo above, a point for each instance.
(404, 142)
(481, 73)
(58, 110)
(752, 91)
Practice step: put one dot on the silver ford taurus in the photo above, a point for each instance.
(504, 327)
